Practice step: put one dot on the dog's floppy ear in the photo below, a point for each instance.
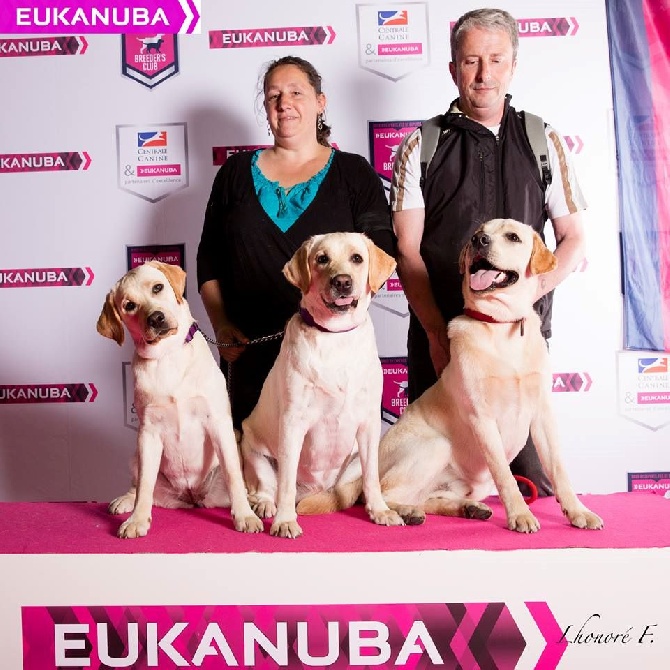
(381, 266)
(297, 269)
(462, 258)
(541, 258)
(109, 321)
(175, 275)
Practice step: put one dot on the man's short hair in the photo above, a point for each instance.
(488, 19)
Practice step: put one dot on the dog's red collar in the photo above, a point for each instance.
(309, 321)
(480, 316)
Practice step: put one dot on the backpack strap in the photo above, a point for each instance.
(538, 143)
(430, 135)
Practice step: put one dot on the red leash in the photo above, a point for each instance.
(533, 489)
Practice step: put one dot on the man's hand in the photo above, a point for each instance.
(438, 345)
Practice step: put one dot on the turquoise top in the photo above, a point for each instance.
(281, 205)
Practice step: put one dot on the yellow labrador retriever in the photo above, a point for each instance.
(455, 442)
(316, 427)
(187, 453)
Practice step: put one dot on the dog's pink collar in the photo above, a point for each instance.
(191, 332)
(309, 321)
(480, 316)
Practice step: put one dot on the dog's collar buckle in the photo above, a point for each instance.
(480, 316)
(191, 332)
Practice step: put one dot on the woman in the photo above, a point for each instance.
(263, 205)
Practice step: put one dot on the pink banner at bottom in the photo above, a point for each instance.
(446, 635)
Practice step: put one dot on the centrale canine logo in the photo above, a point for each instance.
(651, 366)
(152, 159)
(153, 138)
(392, 18)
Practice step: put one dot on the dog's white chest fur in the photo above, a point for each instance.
(329, 383)
(344, 388)
(511, 381)
(176, 409)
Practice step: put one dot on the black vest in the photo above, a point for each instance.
(474, 177)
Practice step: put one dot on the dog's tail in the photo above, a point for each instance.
(341, 497)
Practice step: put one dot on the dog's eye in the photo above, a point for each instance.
(322, 259)
(130, 306)
(357, 258)
(156, 288)
(513, 237)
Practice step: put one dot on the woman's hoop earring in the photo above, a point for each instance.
(319, 121)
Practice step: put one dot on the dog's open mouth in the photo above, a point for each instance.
(486, 277)
(342, 304)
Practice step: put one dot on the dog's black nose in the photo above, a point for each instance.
(156, 319)
(341, 283)
(480, 240)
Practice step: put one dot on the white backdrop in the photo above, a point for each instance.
(83, 105)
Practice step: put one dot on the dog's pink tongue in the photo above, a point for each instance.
(482, 279)
(344, 301)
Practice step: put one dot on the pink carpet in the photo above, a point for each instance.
(631, 520)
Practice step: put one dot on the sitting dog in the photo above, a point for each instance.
(315, 429)
(187, 453)
(456, 441)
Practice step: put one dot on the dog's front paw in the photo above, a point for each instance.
(585, 518)
(262, 507)
(386, 517)
(248, 524)
(412, 516)
(289, 529)
(134, 528)
(523, 523)
(476, 510)
(122, 505)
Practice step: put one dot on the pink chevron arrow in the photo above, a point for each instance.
(87, 160)
(330, 34)
(192, 16)
(94, 393)
(90, 277)
(83, 44)
(552, 634)
(574, 25)
(575, 143)
(586, 378)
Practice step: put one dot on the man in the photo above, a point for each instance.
(483, 168)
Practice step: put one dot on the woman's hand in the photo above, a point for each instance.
(229, 334)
